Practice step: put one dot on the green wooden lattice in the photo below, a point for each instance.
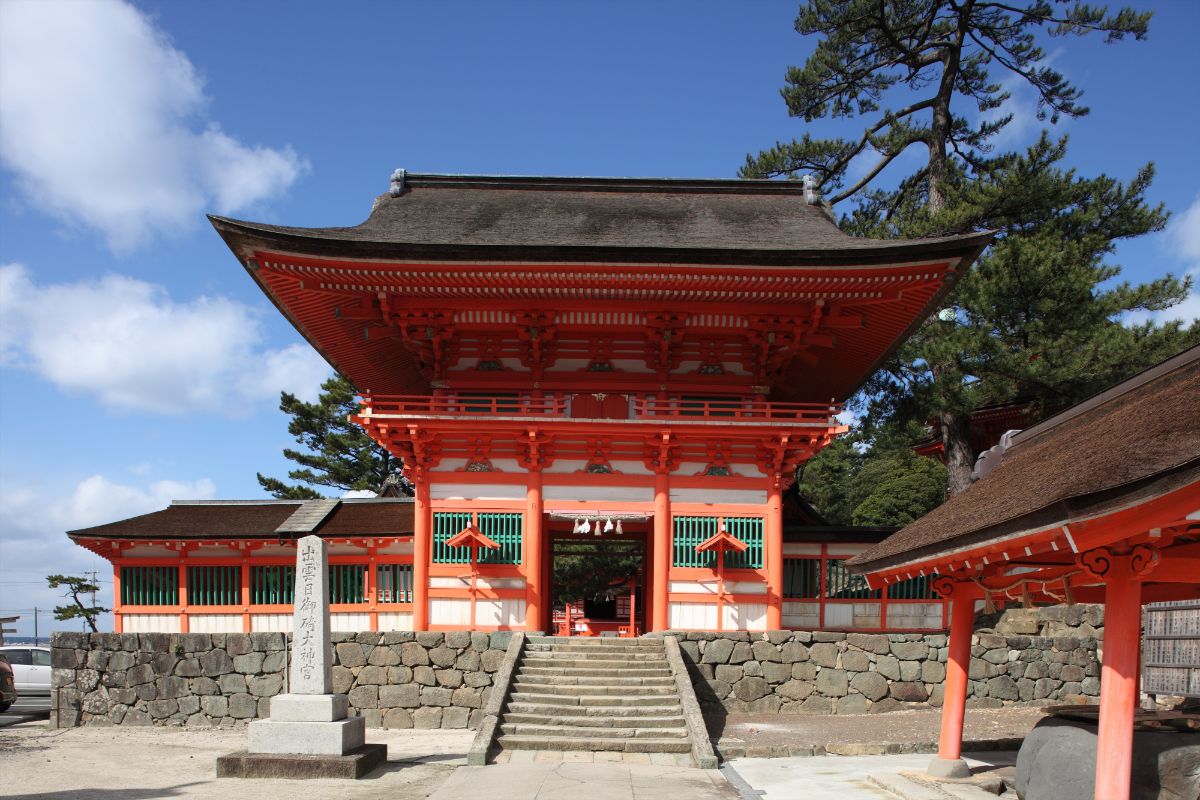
(395, 583)
(347, 583)
(504, 528)
(272, 585)
(691, 531)
(842, 585)
(214, 586)
(802, 578)
(149, 586)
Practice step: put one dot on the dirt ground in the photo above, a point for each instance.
(867, 734)
(104, 763)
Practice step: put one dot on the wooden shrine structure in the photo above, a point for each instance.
(651, 358)
(1100, 503)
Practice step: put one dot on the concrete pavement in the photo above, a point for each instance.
(32, 707)
(567, 780)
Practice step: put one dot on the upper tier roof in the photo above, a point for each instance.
(622, 219)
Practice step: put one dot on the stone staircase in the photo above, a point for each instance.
(598, 695)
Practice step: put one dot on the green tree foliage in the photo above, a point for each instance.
(589, 572)
(338, 454)
(1040, 316)
(881, 482)
(77, 609)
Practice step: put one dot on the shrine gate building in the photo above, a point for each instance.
(640, 363)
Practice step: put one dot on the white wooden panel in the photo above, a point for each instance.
(506, 613)
(396, 548)
(278, 623)
(585, 493)
(215, 623)
(273, 550)
(395, 621)
(710, 587)
(346, 550)
(802, 616)
(477, 491)
(484, 582)
(449, 611)
(801, 549)
(148, 551)
(214, 552)
(839, 615)
(866, 615)
(150, 623)
(845, 550)
(692, 616)
(744, 617)
(754, 499)
(914, 615)
(350, 623)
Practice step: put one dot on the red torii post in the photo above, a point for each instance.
(473, 538)
(721, 541)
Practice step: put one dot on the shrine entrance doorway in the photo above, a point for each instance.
(596, 579)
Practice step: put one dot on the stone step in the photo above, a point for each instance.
(555, 660)
(574, 648)
(527, 687)
(508, 742)
(591, 700)
(593, 641)
(607, 721)
(525, 676)
(522, 729)
(623, 712)
(590, 672)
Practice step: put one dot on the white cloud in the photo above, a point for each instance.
(1182, 240)
(104, 126)
(353, 493)
(33, 520)
(134, 347)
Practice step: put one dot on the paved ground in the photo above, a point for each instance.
(26, 709)
(834, 777)
(904, 731)
(586, 781)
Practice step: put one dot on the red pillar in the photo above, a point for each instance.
(662, 550)
(948, 762)
(534, 547)
(1118, 683)
(422, 518)
(773, 556)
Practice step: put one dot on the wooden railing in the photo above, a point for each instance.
(747, 410)
(464, 406)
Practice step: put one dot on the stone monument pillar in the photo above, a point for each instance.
(308, 734)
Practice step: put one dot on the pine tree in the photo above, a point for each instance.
(77, 609)
(339, 454)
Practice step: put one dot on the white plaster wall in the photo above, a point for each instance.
(346, 550)
(274, 623)
(744, 617)
(449, 611)
(274, 550)
(502, 613)
(215, 623)
(692, 616)
(396, 548)
(350, 622)
(750, 497)
(483, 582)
(801, 549)
(150, 623)
(839, 615)
(215, 552)
(476, 491)
(914, 615)
(565, 466)
(620, 494)
(630, 467)
(710, 587)
(395, 621)
(148, 551)
(845, 550)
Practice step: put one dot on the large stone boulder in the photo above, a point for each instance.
(1057, 761)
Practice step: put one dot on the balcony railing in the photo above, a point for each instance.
(463, 406)
(686, 410)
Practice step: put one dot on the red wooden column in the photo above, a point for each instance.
(662, 550)
(1122, 574)
(773, 556)
(118, 623)
(948, 763)
(533, 550)
(245, 593)
(422, 535)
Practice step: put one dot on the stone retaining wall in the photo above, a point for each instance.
(395, 680)
(855, 673)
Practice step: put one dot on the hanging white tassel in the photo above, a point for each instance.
(620, 532)
(608, 526)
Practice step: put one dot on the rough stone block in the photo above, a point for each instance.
(424, 676)
(765, 652)
(856, 661)
(728, 673)
(364, 696)
(852, 704)
(805, 671)
(752, 669)
(888, 667)
(776, 672)
(871, 642)
(910, 651)
(717, 652)
(824, 654)
(435, 696)
(795, 690)
(265, 685)
(748, 689)
(215, 663)
(430, 639)
(248, 664)
(442, 656)
(910, 670)
(427, 717)
(455, 717)
(933, 672)
(404, 696)
(448, 678)
(243, 706)
(397, 718)
(908, 692)
(832, 682)
(871, 685)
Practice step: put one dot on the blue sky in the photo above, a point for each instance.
(139, 364)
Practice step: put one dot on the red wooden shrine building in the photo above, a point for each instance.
(1099, 503)
(641, 363)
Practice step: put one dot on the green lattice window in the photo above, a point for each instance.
(912, 589)
(395, 583)
(272, 585)
(802, 578)
(149, 586)
(214, 586)
(347, 583)
(842, 585)
(504, 528)
(691, 531)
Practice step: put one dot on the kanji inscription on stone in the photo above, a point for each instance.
(312, 668)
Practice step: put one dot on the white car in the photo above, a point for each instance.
(31, 667)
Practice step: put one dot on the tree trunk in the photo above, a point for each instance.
(956, 429)
(939, 130)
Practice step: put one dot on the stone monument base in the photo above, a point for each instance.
(354, 764)
(328, 738)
